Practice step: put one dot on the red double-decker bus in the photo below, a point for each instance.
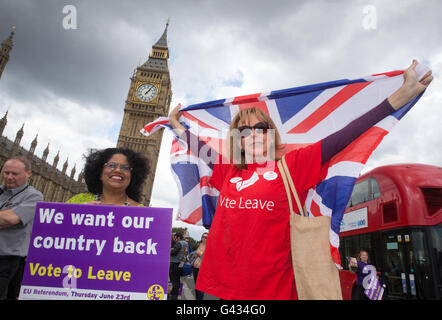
(395, 214)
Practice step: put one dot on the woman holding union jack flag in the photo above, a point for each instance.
(248, 252)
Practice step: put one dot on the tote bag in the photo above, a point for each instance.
(316, 275)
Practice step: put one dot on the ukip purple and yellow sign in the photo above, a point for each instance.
(98, 252)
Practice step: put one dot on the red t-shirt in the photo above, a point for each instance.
(248, 249)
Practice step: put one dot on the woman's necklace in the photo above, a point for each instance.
(98, 198)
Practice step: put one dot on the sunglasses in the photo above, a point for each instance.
(260, 127)
(113, 166)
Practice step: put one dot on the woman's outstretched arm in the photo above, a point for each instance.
(410, 89)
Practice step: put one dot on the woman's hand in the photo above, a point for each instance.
(174, 119)
(94, 202)
(410, 88)
(412, 85)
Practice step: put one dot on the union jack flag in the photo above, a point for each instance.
(303, 115)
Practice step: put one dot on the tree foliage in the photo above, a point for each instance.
(193, 243)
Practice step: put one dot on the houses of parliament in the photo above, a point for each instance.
(148, 98)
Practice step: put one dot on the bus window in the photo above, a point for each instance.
(436, 249)
(389, 212)
(364, 191)
(433, 199)
(361, 193)
(420, 266)
(353, 244)
(375, 190)
(394, 266)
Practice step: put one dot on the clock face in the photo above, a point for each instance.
(146, 92)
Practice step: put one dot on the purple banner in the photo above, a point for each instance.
(82, 251)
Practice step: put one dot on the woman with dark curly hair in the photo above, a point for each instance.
(114, 176)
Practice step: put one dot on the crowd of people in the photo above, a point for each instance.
(247, 256)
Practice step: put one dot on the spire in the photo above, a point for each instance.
(3, 122)
(159, 54)
(45, 153)
(8, 42)
(33, 146)
(81, 176)
(56, 159)
(34, 142)
(16, 144)
(65, 166)
(73, 171)
(162, 42)
(19, 135)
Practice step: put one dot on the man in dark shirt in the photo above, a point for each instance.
(177, 258)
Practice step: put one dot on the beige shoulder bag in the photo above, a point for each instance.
(316, 275)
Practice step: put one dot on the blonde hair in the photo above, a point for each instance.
(235, 146)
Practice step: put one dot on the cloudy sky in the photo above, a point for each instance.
(70, 85)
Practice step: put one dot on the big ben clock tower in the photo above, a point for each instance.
(148, 98)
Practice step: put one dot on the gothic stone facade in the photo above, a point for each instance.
(55, 185)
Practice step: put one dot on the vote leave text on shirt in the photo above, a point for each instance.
(244, 203)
